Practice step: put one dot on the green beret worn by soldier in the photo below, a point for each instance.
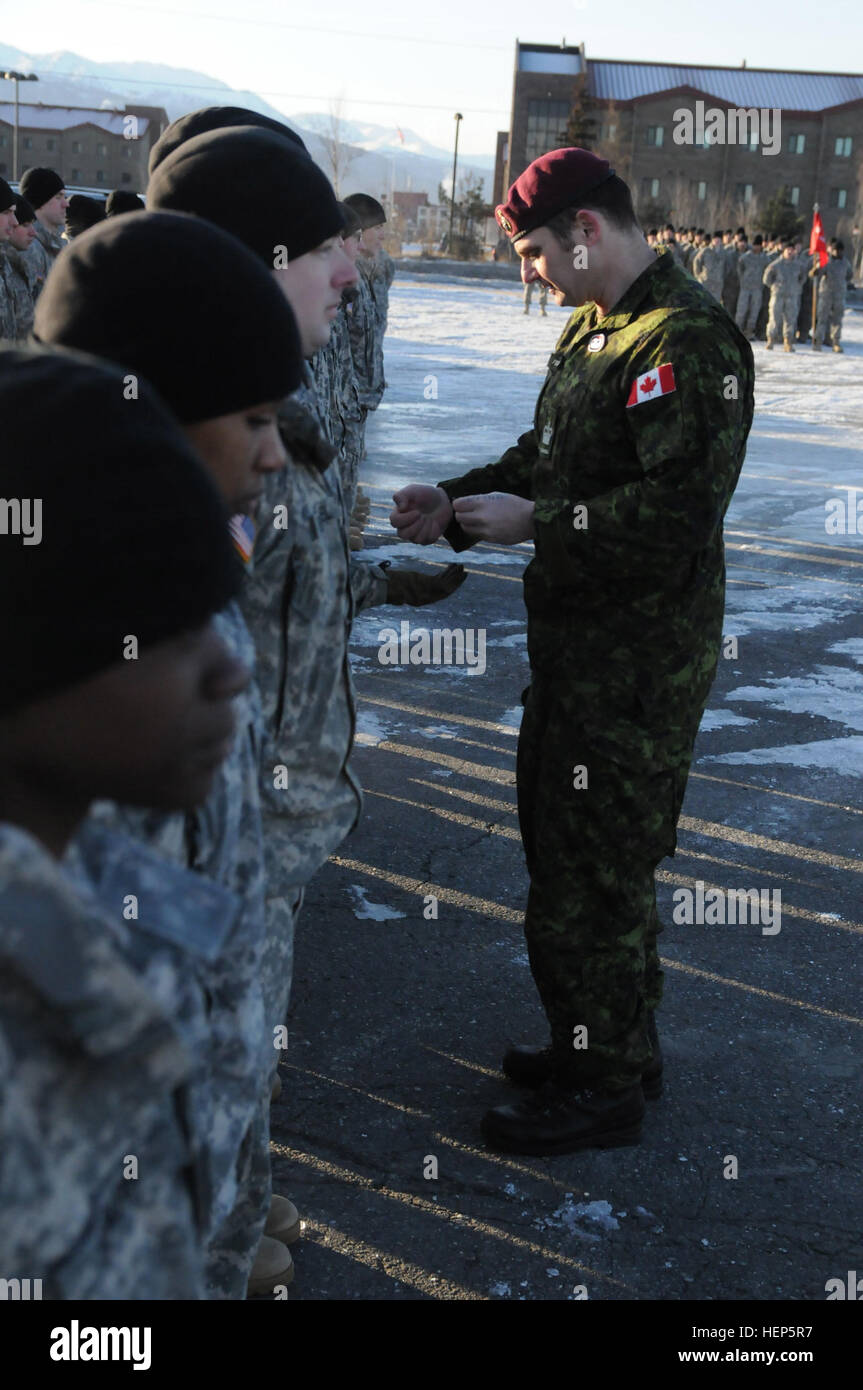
(623, 482)
(106, 1114)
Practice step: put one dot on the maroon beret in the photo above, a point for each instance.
(557, 180)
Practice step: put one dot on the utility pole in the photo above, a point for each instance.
(17, 77)
(458, 117)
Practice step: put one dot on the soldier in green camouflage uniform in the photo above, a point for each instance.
(106, 1171)
(637, 444)
(164, 264)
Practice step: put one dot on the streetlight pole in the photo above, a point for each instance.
(458, 117)
(17, 77)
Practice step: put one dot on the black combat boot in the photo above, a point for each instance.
(531, 1066)
(559, 1120)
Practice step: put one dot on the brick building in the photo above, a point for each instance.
(813, 121)
(89, 147)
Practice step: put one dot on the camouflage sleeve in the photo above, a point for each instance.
(768, 277)
(368, 584)
(689, 445)
(513, 472)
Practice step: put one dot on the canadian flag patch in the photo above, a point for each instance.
(659, 382)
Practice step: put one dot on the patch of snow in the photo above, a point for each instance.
(366, 911)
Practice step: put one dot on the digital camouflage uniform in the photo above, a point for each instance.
(222, 840)
(750, 270)
(624, 627)
(784, 279)
(8, 326)
(366, 347)
(730, 280)
(299, 598)
(833, 280)
(708, 267)
(41, 255)
(102, 1027)
(15, 282)
(338, 394)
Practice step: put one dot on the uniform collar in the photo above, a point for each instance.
(644, 286)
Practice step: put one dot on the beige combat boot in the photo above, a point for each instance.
(273, 1266)
(788, 345)
(283, 1220)
(769, 344)
(837, 347)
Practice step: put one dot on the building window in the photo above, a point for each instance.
(101, 149)
(126, 152)
(650, 188)
(125, 177)
(794, 197)
(49, 143)
(546, 123)
(76, 146)
(842, 146)
(607, 132)
(744, 193)
(653, 135)
(796, 144)
(698, 189)
(838, 197)
(27, 142)
(3, 169)
(100, 175)
(2, 141)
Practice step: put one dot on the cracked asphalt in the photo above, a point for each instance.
(399, 1017)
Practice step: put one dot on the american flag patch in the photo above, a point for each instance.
(242, 530)
(658, 382)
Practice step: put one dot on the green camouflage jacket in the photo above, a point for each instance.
(638, 440)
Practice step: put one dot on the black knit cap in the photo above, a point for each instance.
(134, 537)
(122, 200)
(180, 302)
(255, 184)
(83, 212)
(39, 186)
(24, 211)
(213, 118)
(8, 199)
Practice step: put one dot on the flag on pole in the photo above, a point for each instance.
(816, 238)
(401, 137)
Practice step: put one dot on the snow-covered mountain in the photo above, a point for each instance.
(375, 162)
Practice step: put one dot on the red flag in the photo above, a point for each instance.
(816, 239)
(401, 137)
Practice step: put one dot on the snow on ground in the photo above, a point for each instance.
(466, 366)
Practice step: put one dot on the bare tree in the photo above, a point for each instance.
(340, 155)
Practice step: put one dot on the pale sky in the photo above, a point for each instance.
(415, 65)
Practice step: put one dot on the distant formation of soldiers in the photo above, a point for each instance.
(761, 283)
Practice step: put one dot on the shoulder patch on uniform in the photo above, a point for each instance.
(658, 382)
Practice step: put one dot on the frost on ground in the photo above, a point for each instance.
(572, 1216)
(371, 912)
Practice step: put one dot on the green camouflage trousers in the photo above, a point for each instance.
(598, 804)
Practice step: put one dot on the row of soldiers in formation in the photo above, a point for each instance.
(761, 284)
(348, 373)
(152, 870)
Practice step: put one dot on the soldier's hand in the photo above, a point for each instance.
(421, 513)
(416, 588)
(496, 516)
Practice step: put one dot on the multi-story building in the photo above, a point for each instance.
(89, 147)
(658, 123)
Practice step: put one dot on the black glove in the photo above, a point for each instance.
(417, 588)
